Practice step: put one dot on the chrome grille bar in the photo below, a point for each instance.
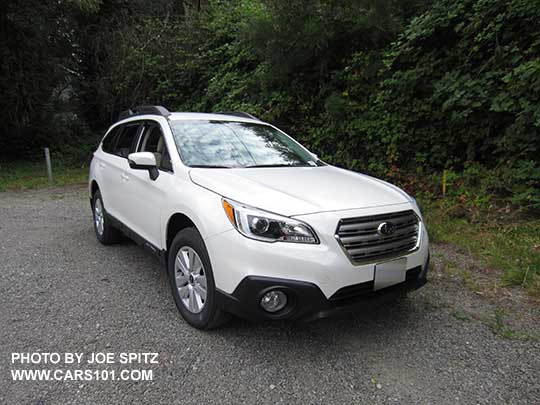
(363, 242)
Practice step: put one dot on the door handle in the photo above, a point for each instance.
(125, 177)
(102, 165)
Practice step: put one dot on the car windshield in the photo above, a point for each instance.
(224, 144)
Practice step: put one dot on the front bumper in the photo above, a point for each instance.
(319, 279)
(235, 257)
(307, 302)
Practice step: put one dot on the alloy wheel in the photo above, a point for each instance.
(190, 278)
(98, 216)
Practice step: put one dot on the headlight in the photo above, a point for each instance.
(265, 226)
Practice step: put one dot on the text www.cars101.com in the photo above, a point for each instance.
(82, 375)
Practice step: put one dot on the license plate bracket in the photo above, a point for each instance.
(390, 273)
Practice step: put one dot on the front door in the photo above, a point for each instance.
(149, 196)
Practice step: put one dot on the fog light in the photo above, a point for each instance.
(274, 301)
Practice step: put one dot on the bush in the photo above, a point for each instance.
(462, 85)
(396, 89)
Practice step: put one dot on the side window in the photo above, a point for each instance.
(166, 163)
(126, 140)
(153, 141)
(150, 140)
(108, 142)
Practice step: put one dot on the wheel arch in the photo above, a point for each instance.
(94, 187)
(177, 222)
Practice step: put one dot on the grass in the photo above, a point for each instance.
(464, 274)
(497, 322)
(511, 247)
(27, 175)
(499, 326)
(460, 315)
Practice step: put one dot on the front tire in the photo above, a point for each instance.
(105, 232)
(192, 281)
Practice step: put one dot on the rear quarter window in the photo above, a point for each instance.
(110, 139)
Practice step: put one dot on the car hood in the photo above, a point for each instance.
(299, 190)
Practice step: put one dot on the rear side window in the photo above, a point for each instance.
(109, 141)
(126, 140)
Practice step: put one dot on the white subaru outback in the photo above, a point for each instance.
(249, 222)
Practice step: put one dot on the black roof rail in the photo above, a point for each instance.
(144, 109)
(239, 114)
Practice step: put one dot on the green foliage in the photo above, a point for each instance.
(513, 248)
(475, 190)
(399, 89)
(37, 53)
(459, 85)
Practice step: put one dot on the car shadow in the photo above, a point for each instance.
(392, 319)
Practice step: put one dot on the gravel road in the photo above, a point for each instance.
(61, 291)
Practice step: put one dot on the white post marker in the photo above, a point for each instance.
(49, 167)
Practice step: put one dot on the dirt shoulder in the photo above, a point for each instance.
(473, 290)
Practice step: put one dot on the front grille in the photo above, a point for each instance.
(363, 242)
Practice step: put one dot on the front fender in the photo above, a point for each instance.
(203, 207)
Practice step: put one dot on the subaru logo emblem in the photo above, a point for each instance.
(386, 228)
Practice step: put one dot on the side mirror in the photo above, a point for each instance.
(144, 161)
(315, 157)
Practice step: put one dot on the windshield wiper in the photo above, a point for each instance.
(276, 165)
(210, 167)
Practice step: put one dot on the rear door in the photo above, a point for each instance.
(116, 176)
(150, 196)
(103, 157)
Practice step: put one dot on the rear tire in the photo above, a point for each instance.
(105, 232)
(192, 281)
